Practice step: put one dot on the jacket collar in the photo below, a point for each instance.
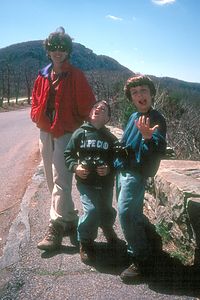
(46, 70)
(66, 67)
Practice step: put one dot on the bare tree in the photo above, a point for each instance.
(2, 87)
(29, 79)
(16, 86)
(183, 133)
(8, 81)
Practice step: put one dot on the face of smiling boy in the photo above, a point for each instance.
(141, 98)
(99, 113)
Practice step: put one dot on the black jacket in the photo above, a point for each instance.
(91, 146)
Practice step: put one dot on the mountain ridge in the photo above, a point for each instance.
(30, 56)
(75, 45)
(31, 47)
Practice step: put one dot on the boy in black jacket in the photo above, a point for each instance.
(89, 154)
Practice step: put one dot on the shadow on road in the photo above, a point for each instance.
(64, 249)
(163, 274)
(111, 259)
(169, 276)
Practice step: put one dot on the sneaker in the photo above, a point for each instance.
(71, 231)
(74, 239)
(53, 238)
(131, 273)
(110, 235)
(87, 252)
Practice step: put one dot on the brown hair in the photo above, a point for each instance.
(137, 81)
(106, 103)
(59, 40)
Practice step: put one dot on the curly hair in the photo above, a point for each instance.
(59, 40)
(137, 81)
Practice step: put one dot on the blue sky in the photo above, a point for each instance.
(156, 37)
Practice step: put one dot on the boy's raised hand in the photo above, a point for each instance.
(143, 124)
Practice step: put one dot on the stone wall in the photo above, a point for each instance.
(172, 204)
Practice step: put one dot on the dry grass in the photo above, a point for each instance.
(14, 106)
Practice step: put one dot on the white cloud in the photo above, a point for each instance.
(114, 18)
(163, 2)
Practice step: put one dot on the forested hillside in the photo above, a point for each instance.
(179, 101)
(19, 65)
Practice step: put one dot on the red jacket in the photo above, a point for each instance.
(73, 101)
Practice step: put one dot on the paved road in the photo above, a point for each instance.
(60, 275)
(27, 273)
(32, 274)
(18, 158)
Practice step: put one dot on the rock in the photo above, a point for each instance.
(173, 205)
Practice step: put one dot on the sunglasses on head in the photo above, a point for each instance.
(56, 47)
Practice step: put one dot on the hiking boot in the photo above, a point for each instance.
(111, 236)
(87, 252)
(53, 238)
(131, 273)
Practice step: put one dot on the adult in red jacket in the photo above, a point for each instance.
(61, 101)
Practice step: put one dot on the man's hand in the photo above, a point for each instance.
(143, 124)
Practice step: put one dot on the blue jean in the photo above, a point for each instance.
(97, 208)
(130, 191)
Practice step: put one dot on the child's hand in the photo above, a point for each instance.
(81, 172)
(103, 170)
(143, 124)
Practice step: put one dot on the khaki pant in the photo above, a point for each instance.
(59, 179)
